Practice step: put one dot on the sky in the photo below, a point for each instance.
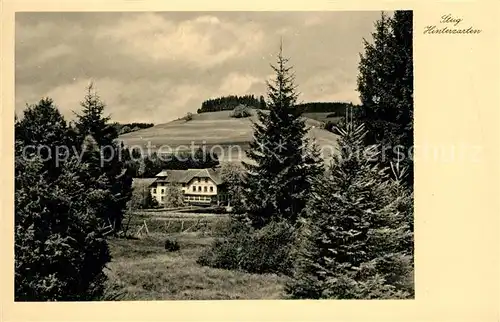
(157, 66)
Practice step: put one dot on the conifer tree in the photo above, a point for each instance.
(60, 249)
(277, 180)
(385, 84)
(92, 122)
(350, 245)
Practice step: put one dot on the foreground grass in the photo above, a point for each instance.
(143, 270)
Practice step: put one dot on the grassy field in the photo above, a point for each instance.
(322, 116)
(143, 270)
(216, 129)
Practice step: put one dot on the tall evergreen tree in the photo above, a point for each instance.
(350, 246)
(277, 179)
(385, 84)
(92, 123)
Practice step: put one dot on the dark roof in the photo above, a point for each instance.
(184, 176)
(137, 182)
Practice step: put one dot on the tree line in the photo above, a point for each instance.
(148, 166)
(224, 103)
(230, 102)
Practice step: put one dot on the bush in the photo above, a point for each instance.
(171, 245)
(239, 246)
(174, 197)
(60, 250)
(188, 117)
(142, 198)
(241, 111)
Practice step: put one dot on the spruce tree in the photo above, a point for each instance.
(385, 84)
(350, 244)
(92, 122)
(277, 180)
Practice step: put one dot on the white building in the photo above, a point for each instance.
(200, 186)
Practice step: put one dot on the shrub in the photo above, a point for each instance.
(171, 245)
(239, 246)
(125, 129)
(142, 198)
(188, 117)
(174, 197)
(60, 248)
(241, 111)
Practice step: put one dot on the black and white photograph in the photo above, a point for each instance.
(214, 155)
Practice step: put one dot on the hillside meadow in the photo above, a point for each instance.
(141, 268)
(229, 135)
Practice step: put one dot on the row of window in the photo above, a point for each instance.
(194, 198)
(204, 189)
(198, 198)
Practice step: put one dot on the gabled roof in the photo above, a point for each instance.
(184, 176)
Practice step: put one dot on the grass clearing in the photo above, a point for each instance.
(143, 270)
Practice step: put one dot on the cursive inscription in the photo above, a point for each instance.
(448, 24)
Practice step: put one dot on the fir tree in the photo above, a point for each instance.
(277, 180)
(350, 245)
(385, 84)
(92, 122)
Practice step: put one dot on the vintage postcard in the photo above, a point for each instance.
(267, 161)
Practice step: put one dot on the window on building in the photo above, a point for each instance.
(206, 179)
(205, 189)
(162, 190)
(154, 190)
(199, 188)
(194, 188)
(183, 184)
(211, 189)
(162, 198)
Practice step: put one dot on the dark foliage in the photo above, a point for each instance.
(150, 165)
(171, 245)
(385, 84)
(278, 180)
(44, 131)
(242, 247)
(230, 102)
(355, 241)
(105, 154)
(60, 246)
(123, 128)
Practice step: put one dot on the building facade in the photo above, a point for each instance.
(199, 186)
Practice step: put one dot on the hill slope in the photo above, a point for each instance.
(218, 131)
